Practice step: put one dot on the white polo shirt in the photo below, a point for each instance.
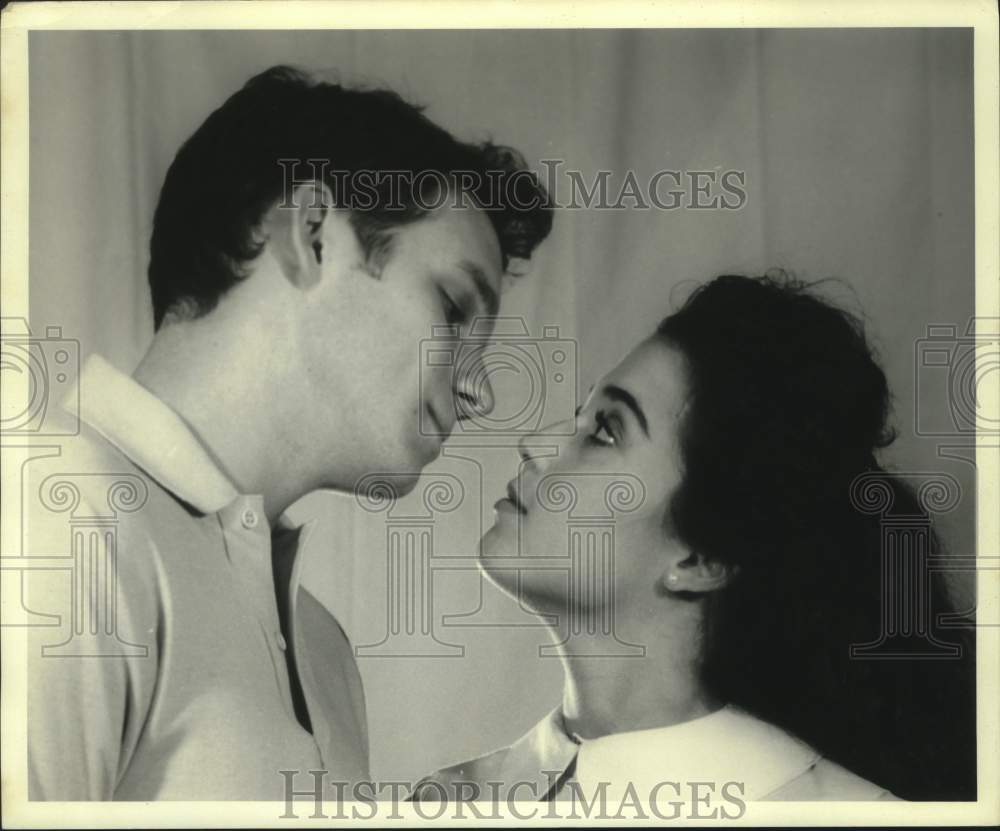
(162, 674)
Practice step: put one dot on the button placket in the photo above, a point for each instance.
(250, 556)
(249, 519)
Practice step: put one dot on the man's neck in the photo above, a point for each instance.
(210, 384)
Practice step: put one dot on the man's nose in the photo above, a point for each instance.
(473, 392)
(528, 453)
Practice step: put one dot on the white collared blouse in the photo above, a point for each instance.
(757, 760)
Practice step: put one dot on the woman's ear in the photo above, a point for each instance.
(296, 230)
(697, 574)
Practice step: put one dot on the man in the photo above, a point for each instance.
(291, 285)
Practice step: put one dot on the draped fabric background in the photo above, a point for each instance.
(857, 148)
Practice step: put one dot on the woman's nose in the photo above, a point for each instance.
(536, 447)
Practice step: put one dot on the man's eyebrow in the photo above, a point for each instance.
(488, 297)
(625, 397)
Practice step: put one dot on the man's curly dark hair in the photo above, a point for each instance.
(230, 172)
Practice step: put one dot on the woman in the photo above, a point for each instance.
(706, 627)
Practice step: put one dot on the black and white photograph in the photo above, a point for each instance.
(446, 417)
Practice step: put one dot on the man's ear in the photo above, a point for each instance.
(698, 574)
(295, 233)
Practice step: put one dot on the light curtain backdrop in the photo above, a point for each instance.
(857, 148)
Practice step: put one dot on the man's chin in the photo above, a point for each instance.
(378, 487)
(405, 483)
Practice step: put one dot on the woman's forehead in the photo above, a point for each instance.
(654, 372)
(652, 364)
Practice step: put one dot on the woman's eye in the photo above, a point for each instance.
(603, 433)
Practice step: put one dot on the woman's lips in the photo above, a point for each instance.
(512, 497)
(505, 505)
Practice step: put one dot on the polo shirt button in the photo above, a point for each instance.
(282, 644)
(249, 519)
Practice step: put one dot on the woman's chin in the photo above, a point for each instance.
(492, 544)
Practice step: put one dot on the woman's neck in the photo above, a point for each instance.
(605, 694)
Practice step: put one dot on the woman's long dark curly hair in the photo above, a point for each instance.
(788, 406)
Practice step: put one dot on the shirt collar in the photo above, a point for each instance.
(728, 745)
(152, 435)
(541, 755)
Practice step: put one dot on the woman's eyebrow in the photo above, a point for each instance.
(616, 393)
